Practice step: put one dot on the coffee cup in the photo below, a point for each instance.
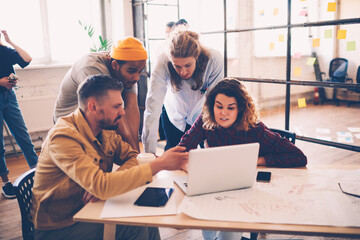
(145, 158)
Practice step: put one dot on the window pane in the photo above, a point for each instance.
(22, 20)
(68, 40)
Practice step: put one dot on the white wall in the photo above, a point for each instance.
(39, 87)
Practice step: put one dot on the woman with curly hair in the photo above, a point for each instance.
(229, 117)
(182, 76)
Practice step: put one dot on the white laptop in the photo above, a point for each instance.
(219, 169)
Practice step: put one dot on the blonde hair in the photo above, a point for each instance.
(231, 87)
(184, 43)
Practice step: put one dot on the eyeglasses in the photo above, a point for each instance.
(351, 194)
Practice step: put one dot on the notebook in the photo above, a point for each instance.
(219, 169)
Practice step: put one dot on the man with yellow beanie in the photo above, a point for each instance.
(124, 62)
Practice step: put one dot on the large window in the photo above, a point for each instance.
(285, 62)
(50, 30)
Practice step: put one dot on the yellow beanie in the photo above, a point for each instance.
(128, 49)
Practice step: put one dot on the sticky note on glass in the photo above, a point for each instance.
(297, 55)
(303, 13)
(281, 38)
(341, 34)
(301, 102)
(328, 33)
(261, 13)
(331, 7)
(351, 46)
(310, 61)
(316, 42)
(276, 11)
(297, 71)
(271, 46)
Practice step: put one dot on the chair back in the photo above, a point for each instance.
(358, 75)
(23, 188)
(291, 136)
(338, 70)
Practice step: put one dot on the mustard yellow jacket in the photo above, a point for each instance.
(73, 161)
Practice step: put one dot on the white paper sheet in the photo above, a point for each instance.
(354, 129)
(123, 205)
(292, 197)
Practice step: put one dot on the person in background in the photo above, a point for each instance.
(125, 62)
(183, 22)
(10, 111)
(182, 76)
(76, 161)
(169, 27)
(229, 117)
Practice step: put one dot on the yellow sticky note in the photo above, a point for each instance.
(351, 46)
(271, 46)
(316, 42)
(281, 38)
(341, 34)
(301, 102)
(297, 71)
(331, 7)
(310, 61)
(261, 12)
(302, 0)
(328, 33)
(276, 11)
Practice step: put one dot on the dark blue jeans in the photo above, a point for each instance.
(11, 114)
(172, 133)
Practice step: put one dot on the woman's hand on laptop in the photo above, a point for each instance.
(173, 159)
(261, 161)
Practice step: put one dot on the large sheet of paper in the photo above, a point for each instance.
(292, 197)
(123, 205)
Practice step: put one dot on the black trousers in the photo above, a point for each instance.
(172, 133)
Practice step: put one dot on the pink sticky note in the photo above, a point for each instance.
(297, 55)
(303, 13)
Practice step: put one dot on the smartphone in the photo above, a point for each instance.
(263, 176)
(154, 197)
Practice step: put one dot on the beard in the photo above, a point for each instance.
(106, 124)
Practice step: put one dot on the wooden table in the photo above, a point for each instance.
(91, 213)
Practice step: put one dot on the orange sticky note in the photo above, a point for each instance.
(316, 42)
(276, 11)
(301, 102)
(331, 7)
(297, 71)
(341, 34)
(281, 38)
(271, 46)
(310, 61)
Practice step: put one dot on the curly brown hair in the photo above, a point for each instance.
(182, 44)
(247, 113)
